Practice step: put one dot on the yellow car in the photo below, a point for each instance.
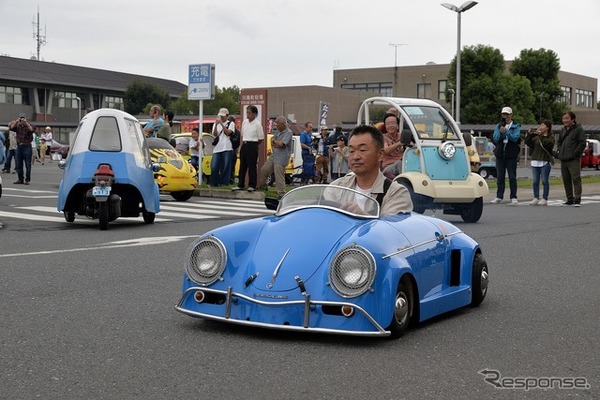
(176, 176)
(182, 146)
(294, 166)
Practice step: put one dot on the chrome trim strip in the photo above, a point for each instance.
(439, 237)
(307, 302)
(274, 277)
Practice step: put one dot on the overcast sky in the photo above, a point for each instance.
(258, 43)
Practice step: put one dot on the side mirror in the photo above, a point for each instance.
(155, 167)
(468, 139)
(61, 164)
(271, 203)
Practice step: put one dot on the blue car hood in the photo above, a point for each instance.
(281, 248)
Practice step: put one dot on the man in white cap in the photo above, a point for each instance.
(220, 165)
(507, 138)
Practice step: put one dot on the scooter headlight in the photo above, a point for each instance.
(447, 150)
(205, 260)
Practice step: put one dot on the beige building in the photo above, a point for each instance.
(351, 86)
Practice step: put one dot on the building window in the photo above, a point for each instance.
(383, 88)
(423, 90)
(566, 95)
(114, 102)
(442, 90)
(585, 98)
(11, 95)
(65, 100)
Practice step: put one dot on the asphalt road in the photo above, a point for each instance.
(89, 314)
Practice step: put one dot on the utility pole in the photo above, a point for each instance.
(396, 45)
(39, 38)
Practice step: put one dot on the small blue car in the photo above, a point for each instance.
(108, 173)
(314, 266)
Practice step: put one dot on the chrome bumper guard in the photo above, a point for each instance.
(231, 296)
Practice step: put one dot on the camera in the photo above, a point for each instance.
(503, 122)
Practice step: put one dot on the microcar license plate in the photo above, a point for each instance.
(101, 191)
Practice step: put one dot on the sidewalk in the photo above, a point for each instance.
(526, 193)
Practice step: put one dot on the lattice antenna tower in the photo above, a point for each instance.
(40, 39)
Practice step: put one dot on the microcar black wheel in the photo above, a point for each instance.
(484, 173)
(403, 309)
(148, 217)
(69, 216)
(416, 206)
(182, 196)
(103, 216)
(479, 284)
(472, 212)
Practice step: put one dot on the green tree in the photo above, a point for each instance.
(487, 87)
(139, 94)
(228, 97)
(541, 67)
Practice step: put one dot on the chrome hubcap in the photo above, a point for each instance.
(401, 308)
(484, 281)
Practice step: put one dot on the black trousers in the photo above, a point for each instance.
(248, 163)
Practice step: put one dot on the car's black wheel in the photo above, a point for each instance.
(182, 196)
(472, 212)
(148, 217)
(103, 215)
(484, 173)
(69, 216)
(418, 208)
(270, 180)
(403, 309)
(479, 284)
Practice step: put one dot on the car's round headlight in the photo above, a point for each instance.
(352, 271)
(447, 150)
(205, 260)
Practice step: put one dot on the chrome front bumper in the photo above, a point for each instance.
(232, 297)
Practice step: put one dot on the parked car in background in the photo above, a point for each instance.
(591, 154)
(175, 176)
(487, 159)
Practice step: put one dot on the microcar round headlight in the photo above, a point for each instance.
(447, 150)
(352, 271)
(205, 260)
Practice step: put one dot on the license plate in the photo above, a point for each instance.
(99, 191)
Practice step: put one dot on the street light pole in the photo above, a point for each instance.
(396, 45)
(78, 109)
(451, 91)
(459, 10)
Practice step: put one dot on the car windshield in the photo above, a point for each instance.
(430, 123)
(157, 143)
(344, 200)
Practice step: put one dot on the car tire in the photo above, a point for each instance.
(484, 173)
(416, 207)
(182, 196)
(148, 217)
(403, 309)
(480, 279)
(69, 216)
(472, 212)
(103, 215)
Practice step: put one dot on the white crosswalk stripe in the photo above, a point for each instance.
(559, 202)
(169, 211)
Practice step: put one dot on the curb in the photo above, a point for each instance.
(229, 194)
